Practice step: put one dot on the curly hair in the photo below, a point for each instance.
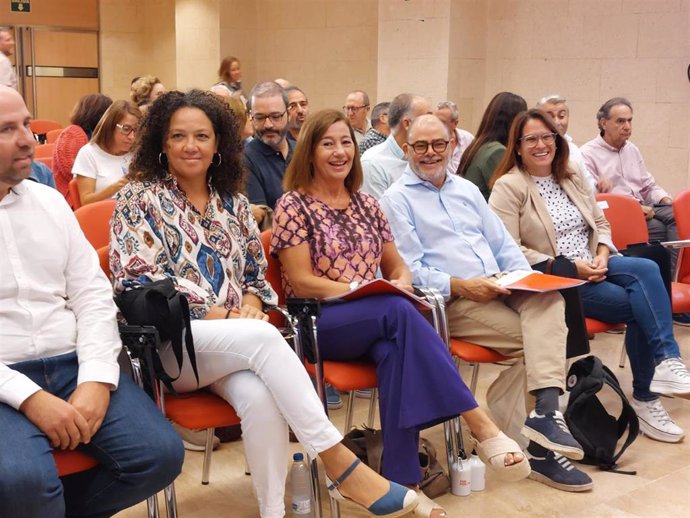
(228, 177)
(140, 90)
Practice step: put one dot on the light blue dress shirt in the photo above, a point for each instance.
(448, 232)
(382, 165)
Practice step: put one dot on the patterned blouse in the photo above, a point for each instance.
(214, 258)
(572, 231)
(345, 245)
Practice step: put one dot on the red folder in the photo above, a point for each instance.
(537, 282)
(377, 287)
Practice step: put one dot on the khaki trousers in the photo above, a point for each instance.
(524, 324)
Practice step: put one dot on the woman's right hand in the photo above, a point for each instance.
(589, 271)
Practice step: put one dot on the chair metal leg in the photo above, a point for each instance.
(208, 452)
(170, 501)
(373, 403)
(315, 487)
(621, 362)
(474, 377)
(152, 506)
(349, 411)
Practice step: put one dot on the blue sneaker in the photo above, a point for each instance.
(333, 398)
(681, 319)
(556, 471)
(551, 432)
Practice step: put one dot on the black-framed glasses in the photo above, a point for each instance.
(293, 106)
(532, 140)
(126, 129)
(421, 146)
(354, 108)
(260, 118)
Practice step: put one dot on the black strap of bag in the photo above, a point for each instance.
(161, 305)
(577, 342)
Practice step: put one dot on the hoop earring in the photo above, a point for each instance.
(220, 159)
(163, 159)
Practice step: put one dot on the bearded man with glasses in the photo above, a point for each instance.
(268, 154)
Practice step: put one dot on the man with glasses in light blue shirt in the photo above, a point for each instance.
(451, 241)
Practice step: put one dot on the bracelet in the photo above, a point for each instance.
(228, 313)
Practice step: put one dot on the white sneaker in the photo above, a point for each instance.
(655, 422)
(671, 377)
(194, 440)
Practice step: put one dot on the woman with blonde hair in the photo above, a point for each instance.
(145, 90)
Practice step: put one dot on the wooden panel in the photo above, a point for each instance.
(66, 49)
(62, 13)
(58, 95)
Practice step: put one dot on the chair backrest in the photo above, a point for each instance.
(73, 199)
(681, 212)
(47, 160)
(52, 135)
(43, 126)
(44, 150)
(94, 220)
(624, 214)
(104, 259)
(273, 276)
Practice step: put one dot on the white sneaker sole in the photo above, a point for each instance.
(535, 475)
(669, 388)
(658, 435)
(542, 440)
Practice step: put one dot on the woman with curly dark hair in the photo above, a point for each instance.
(183, 217)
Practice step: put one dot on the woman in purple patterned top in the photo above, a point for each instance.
(183, 217)
(330, 237)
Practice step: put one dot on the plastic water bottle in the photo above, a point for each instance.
(301, 487)
(460, 477)
(478, 481)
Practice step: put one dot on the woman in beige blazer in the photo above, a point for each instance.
(549, 210)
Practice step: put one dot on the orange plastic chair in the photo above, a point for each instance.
(74, 197)
(201, 410)
(69, 462)
(43, 126)
(94, 220)
(52, 135)
(47, 160)
(44, 150)
(681, 211)
(474, 355)
(343, 376)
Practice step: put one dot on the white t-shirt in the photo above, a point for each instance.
(106, 169)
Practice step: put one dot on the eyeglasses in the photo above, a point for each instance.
(293, 106)
(532, 140)
(354, 108)
(421, 146)
(126, 130)
(260, 118)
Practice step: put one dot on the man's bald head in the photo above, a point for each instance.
(428, 148)
(427, 121)
(16, 140)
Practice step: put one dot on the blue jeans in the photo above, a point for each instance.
(634, 293)
(137, 451)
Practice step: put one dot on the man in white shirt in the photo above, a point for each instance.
(7, 74)
(449, 114)
(60, 382)
(384, 163)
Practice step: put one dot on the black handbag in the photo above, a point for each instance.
(578, 342)
(159, 304)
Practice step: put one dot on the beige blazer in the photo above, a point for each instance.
(516, 200)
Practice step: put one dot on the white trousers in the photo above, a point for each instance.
(248, 363)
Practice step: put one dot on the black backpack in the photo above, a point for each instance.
(590, 423)
(159, 304)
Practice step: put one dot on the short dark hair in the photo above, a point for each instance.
(511, 158)
(495, 125)
(89, 110)
(228, 177)
(300, 172)
(293, 88)
(105, 129)
(400, 105)
(376, 113)
(605, 111)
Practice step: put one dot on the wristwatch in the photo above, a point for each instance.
(354, 285)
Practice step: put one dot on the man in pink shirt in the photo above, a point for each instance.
(612, 158)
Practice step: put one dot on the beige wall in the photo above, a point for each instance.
(465, 50)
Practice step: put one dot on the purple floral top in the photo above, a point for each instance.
(345, 245)
(214, 258)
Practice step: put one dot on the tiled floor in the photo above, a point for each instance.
(658, 489)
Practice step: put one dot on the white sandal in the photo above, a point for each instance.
(426, 505)
(493, 451)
